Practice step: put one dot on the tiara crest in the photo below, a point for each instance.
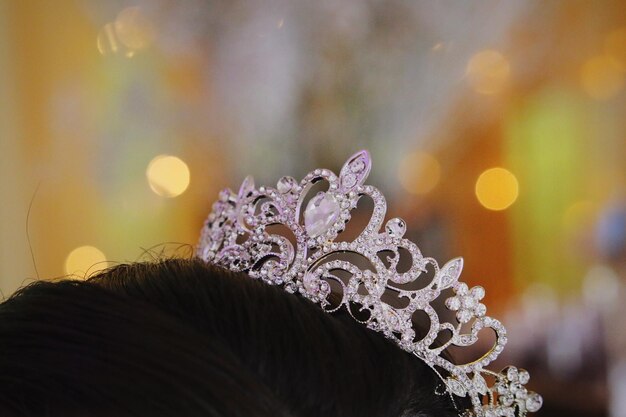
(239, 235)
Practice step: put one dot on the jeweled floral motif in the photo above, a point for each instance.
(467, 303)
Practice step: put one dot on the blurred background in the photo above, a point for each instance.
(497, 130)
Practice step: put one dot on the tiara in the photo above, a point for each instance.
(265, 233)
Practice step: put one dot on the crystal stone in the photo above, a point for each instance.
(349, 180)
(534, 402)
(456, 387)
(507, 400)
(395, 227)
(357, 165)
(247, 187)
(480, 384)
(286, 184)
(478, 292)
(512, 374)
(453, 303)
(464, 316)
(523, 376)
(321, 213)
(468, 302)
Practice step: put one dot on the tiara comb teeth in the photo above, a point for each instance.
(237, 235)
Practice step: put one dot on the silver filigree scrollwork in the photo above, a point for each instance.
(238, 235)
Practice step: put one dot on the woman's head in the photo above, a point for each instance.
(182, 337)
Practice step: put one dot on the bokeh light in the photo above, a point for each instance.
(108, 43)
(488, 72)
(168, 176)
(615, 47)
(497, 188)
(601, 78)
(278, 89)
(130, 32)
(133, 28)
(85, 260)
(419, 172)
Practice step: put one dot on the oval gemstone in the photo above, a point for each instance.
(321, 213)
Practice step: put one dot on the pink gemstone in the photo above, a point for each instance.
(320, 214)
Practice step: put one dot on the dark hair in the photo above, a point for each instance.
(182, 338)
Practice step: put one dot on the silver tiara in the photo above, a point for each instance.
(250, 231)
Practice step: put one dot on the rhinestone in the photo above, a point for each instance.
(534, 402)
(523, 376)
(456, 387)
(512, 374)
(214, 246)
(357, 166)
(461, 289)
(521, 393)
(480, 310)
(468, 302)
(480, 384)
(247, 187)
(348, 181)
(224, 195)
(395, 227)
(453, 303)
(464, 316)
(286, 184)
(310, 283)
(478, 292)
(506, 400)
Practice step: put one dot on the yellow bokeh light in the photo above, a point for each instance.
(133, 28)
(615, 47)
(85, 260)
(497, 188)
(601, 78)
(168, 176)
(130, 32)
(488, 72)
(419, 172)
(108, 43)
